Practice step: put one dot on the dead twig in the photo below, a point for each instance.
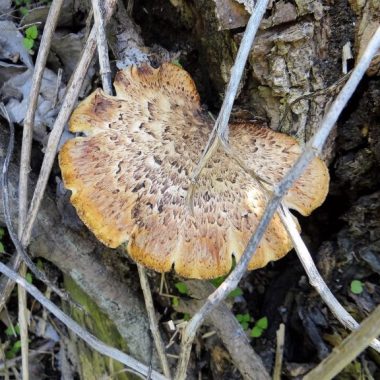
(27, 137)
(42, 55)
(315, 278)
(312, 148)
(349, 349)
(280, 335)
(104, 63)
(160, 347)
(91, 340)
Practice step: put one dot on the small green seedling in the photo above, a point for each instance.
(260, 326)
(29, 278)
(357, 287)
(235, 293)
(15, 349)
(175, 301)
(182, 287)
(13, 330)
(31, 35)
(244, 320)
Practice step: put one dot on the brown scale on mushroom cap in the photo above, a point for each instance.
(129, 176)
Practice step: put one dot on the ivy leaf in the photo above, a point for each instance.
(31, 32)
(2, 249)
(2, 232)
(182, 287)
(357, 287)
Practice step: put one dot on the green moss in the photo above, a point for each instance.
(92, 364)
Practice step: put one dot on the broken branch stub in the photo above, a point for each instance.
(130, 174)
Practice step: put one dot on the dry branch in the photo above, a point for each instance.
(42, 55)
(105, 69)
(312, 148)
(160, 347)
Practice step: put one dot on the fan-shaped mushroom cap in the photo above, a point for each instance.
(130, 175)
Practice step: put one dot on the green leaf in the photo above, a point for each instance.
(235, 293)
(16, 346)
(12, 330)
(40, 264)
(357, 287)
(186, 317)
(244, 325)
(175, 301)
(31, 32)
(262, 323)
(182, 287)
(29, 278)
(243, 317)
(2, 249)
(218, 281)
(28, 43)
(2, 232)
(256, 332)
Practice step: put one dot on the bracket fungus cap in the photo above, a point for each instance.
(130, 173)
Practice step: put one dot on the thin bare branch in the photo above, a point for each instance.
(26, 148)
(90, 339)
(312, 148)
(104, 63)
(23, 321)
(280, 335)
(349, 349)
(160, 347)
(27, 137)
(315, 278)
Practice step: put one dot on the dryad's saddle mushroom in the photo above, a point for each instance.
(130, 175)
